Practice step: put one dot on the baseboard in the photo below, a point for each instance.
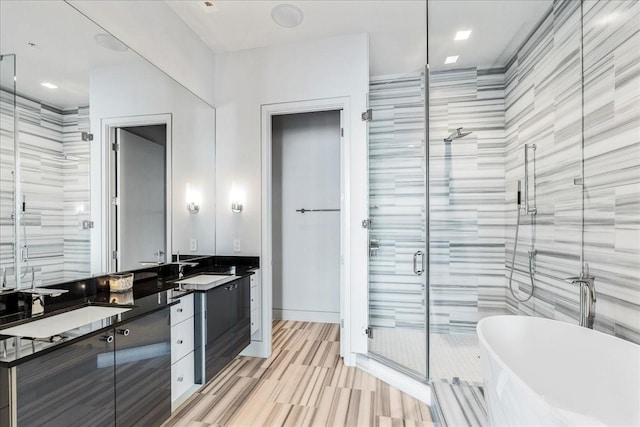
(306, 316)
(257, 349)
(412, 387)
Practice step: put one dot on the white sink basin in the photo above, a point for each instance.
(56, 325)
(205, 281)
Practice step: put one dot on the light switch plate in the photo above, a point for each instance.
(193, 245)
(237, 246)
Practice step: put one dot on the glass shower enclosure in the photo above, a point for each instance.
(8, 131)
(398, 222)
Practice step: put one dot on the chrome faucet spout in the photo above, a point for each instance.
(587, 298)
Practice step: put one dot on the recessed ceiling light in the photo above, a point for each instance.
(451, 59)
(49, 85)
(109, 42)
(462, 35)
(287, 15)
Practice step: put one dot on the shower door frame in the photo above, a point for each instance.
(427, 169)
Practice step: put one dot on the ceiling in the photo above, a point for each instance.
(397, 28)
(65, 50)
(498, 27)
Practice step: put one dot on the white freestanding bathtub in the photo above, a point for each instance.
(542, 372)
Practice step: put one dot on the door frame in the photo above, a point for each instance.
(109, 126)
(267, 111)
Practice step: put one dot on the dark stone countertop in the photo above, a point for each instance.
(153, 289)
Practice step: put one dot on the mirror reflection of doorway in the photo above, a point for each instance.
(139, 196)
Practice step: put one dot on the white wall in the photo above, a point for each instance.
(245, 80)
(140, 89)
(306, 246)
(152, 29)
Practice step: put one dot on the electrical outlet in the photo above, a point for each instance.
(193, 245)
(237, 247)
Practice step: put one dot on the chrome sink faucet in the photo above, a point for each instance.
(586, 282)
(181, 265)
(37, 294)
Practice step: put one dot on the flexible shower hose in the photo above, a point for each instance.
(513, 264)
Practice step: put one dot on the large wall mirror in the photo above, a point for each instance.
(97, 149)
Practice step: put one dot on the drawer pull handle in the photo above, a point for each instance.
(179, 310)
(107, 338)
(179, 341)
(124, 332)
(180, 379)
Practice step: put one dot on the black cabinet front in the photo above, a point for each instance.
(72, 386)
(228, 319)
(119, 377)
(143, 370)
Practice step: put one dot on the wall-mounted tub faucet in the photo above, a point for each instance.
(586, 282)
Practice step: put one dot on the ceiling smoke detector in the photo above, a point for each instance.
(107, 41)
(287, 15)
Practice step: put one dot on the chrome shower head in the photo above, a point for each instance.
(458, 133)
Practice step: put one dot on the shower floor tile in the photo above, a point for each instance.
(452, 355)
(455, 355)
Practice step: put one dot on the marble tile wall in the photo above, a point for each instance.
(6, 185)
(467, 198)
(543, 106)
(54, 179)
(77, 196)
(612, 161)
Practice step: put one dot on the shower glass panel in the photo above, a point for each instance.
(504, 127)
(398, 214)
(7, 132)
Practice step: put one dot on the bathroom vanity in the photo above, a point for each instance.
(131, 362)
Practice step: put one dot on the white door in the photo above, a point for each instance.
(140, 211)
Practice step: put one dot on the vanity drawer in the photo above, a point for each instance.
(182, 376)
(256, 295)
(183, 310)
(254, 302)
(255, 321)
(182, 339)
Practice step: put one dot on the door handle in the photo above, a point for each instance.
(417, 270)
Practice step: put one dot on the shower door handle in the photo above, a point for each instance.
(417, 270)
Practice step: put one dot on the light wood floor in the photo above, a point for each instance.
(304, 382)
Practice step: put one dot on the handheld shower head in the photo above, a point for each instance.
(458, 133)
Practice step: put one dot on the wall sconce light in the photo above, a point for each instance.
(193, 200)
(237, 199)
(193, 208)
